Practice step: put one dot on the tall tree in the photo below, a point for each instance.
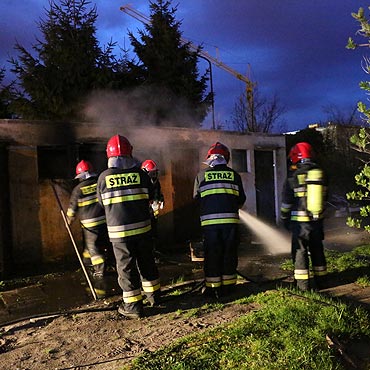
(254, 113)
(65, 66)
(361, 140)
(174, 89)
(5, 97)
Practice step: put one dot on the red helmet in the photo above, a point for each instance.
(149, 165)
(219, 148)
(118, 146)
(83, 166)
(300, 151)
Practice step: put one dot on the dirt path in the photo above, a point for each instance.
(104, 340)
(94, 336)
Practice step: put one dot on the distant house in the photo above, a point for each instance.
(36, 155)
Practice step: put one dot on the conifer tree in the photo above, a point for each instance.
(65, 66)
(5, 97)
(174, 90)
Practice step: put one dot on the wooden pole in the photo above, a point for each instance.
(74, 243)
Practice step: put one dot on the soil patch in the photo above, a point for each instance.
(92, 335)
(104, 340)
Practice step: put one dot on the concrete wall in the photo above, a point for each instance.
(37, 228)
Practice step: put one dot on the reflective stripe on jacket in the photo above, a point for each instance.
(304, 194)
(125, 195)
(84, 201)
(221, 194)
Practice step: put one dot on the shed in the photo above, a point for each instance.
(36, 155)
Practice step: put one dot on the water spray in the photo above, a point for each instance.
(276, 241)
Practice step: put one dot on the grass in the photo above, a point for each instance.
(363, 281)
(15, 283)
(180, 279)
(288, 332)
(176, 292)
(357, 258)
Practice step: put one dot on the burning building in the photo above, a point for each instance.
(34, 155)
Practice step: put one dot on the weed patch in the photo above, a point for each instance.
(288, 331)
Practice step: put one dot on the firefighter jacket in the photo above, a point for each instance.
(221, 194)
(304, 194)
(84, 201)
(125, 195)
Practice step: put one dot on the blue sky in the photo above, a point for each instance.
(292, 48)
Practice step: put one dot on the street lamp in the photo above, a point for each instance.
(212, 94)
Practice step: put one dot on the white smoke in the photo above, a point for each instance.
(276, 241)
(144, 106)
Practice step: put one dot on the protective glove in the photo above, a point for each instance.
(70, 220)
(155, 206)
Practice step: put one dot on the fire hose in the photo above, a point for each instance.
(74, 243)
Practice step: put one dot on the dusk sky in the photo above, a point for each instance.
(292, 48)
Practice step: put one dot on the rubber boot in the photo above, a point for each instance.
(303, 284)
(211, 293)
(131, 310)
(153, 299)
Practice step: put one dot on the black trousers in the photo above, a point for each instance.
(136, 267)
(220, 253)
(97, 243)
(307, 242)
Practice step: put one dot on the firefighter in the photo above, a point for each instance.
(84, 201)
(301, 212)
(151, 168)
(125, 191)
(220, 193)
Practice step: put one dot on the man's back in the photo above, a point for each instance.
(220, 191)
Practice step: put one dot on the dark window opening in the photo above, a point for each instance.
(240, 160)
(95, 154)
(54, 162)
(59, 162)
